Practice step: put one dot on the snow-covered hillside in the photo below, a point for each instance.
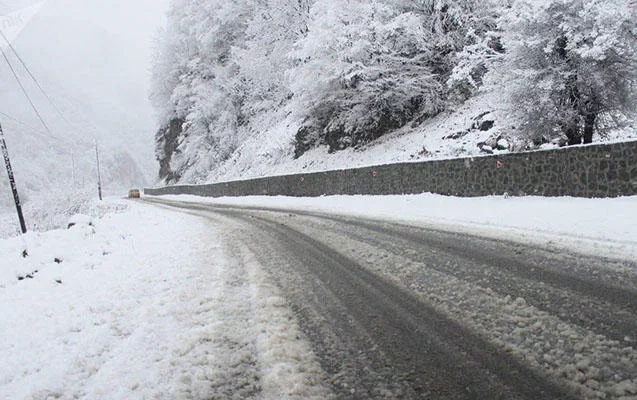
(452, 134)
(255, 88)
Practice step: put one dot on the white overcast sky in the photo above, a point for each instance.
(93, 55)
(131, 21)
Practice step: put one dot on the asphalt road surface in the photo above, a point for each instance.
(397, 311)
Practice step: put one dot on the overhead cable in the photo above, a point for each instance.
(17, 78)
(35, 80)
(35, 130)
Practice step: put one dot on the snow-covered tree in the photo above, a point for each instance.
(464, 37)
(573, 65)
(194, 76)
(369, 67)
(273, 29)
(479, 48)
(362, 71)
(171, 54)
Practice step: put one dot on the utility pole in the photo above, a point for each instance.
(99, 176)
(14, 188)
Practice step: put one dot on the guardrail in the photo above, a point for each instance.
(603, 170)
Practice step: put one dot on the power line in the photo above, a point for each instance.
(39, 86)
(24, 124)
(35, 80)
(36, 130)
(17, 78)
(24, 65)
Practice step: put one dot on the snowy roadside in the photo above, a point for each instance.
(599, 227)
(144, 303)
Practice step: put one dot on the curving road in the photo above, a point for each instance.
(396, 311)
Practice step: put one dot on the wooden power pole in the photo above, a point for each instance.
(14, 188)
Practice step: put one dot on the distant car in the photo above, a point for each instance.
(134, 194)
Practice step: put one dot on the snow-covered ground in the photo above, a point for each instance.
(140, 302)
(144, 303)
(601, 227)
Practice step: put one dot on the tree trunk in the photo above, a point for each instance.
(573, 136)
(572, 132)
(589, 127)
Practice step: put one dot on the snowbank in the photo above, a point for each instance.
(602, 227)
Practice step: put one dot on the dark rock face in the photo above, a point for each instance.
(486, 125)
(483, 122)
(167, 141)
(324, 128)
(305, 139)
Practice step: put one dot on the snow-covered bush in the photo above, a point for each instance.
(51, 210)
(572, 65)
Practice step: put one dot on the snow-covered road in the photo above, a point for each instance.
(231, 299)
(395, 311)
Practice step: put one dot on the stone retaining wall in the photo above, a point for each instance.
(606, 170)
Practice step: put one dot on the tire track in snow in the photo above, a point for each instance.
(555, 340)
(598, 365)
(288, 369)
(255, 349)
(395, 337)
(589, 307)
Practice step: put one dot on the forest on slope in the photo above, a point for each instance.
(242, 87)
